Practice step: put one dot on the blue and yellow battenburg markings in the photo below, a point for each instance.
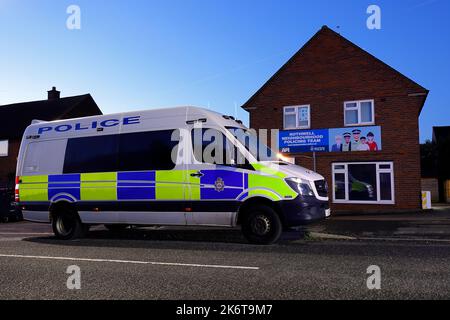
(65, 186)
(234, 183)
(136, 185)
(218, 184)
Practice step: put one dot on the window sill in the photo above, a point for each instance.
(360, 125)
(299, 128)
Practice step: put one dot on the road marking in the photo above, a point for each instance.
(406, 239)
(130, 262)
(25, 233)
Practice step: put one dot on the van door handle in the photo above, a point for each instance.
(197, 174)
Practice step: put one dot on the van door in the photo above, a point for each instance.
(216, 184)
(152, 178)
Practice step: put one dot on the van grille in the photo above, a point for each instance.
(322, 188)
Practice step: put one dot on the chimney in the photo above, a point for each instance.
(53, 94)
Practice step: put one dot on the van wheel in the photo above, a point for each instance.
(68, 226)
(116, 227)
(262, 225)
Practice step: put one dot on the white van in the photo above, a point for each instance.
(149, 168)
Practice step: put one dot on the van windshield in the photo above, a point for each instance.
(250, 141)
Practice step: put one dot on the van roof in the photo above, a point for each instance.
(166, 111)
(194, 113)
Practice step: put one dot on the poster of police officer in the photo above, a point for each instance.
(356, 139)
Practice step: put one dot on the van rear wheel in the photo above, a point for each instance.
(68, 226)
(262, 225)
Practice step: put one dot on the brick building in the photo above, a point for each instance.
(16, 117)
(330, 90)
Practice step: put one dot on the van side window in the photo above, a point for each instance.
(91, 154)
(148, 150)
(211, 146)
(126, 152)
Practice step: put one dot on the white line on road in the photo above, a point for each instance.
(26, 233)
(406, 239)
(131, 262)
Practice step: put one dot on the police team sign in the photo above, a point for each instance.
(331, 140)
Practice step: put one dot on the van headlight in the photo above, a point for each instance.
(301, 186)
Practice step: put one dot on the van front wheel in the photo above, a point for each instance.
(262, 225)
(67, 226)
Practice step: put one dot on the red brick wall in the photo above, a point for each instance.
(328, 72)
(8, 164)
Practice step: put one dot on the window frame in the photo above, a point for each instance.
(7, 148)
(296, 113)
(378, 189)
(358, 109)
(228, 142)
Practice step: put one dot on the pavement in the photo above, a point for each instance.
(432, 225)
(176, 264)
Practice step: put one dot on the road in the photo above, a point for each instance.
(214, 264)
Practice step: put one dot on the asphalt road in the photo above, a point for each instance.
(214, 264)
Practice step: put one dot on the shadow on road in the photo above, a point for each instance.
(220, 239)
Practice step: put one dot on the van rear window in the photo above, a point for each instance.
(125, 152)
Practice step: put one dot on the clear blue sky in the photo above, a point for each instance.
(142, 54)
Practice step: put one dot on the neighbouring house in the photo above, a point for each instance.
(352, 118)
(16, 117)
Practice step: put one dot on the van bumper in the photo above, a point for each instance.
(303, 211)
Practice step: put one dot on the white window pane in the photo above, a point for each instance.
(339, 186)
(351, 105)
(289, 110)
(4, 148)
(289, 121)
(366, 112)
(385, 187)
(49, 162)
(303, 123)
(303, 114)
(351, 117)
(362, 182)
(303, 117)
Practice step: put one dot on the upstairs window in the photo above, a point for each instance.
(297, 117)
(358, 113)
(3, 148)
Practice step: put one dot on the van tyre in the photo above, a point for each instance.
(68, 226)
(262, 225)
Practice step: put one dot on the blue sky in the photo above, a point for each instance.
(137, 54)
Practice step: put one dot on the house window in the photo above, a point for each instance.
(3, 148)
(363, 183)
(297, 117)
(358, 113)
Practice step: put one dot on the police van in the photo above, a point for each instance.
(149, 168)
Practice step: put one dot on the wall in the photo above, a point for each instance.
(8, 164)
